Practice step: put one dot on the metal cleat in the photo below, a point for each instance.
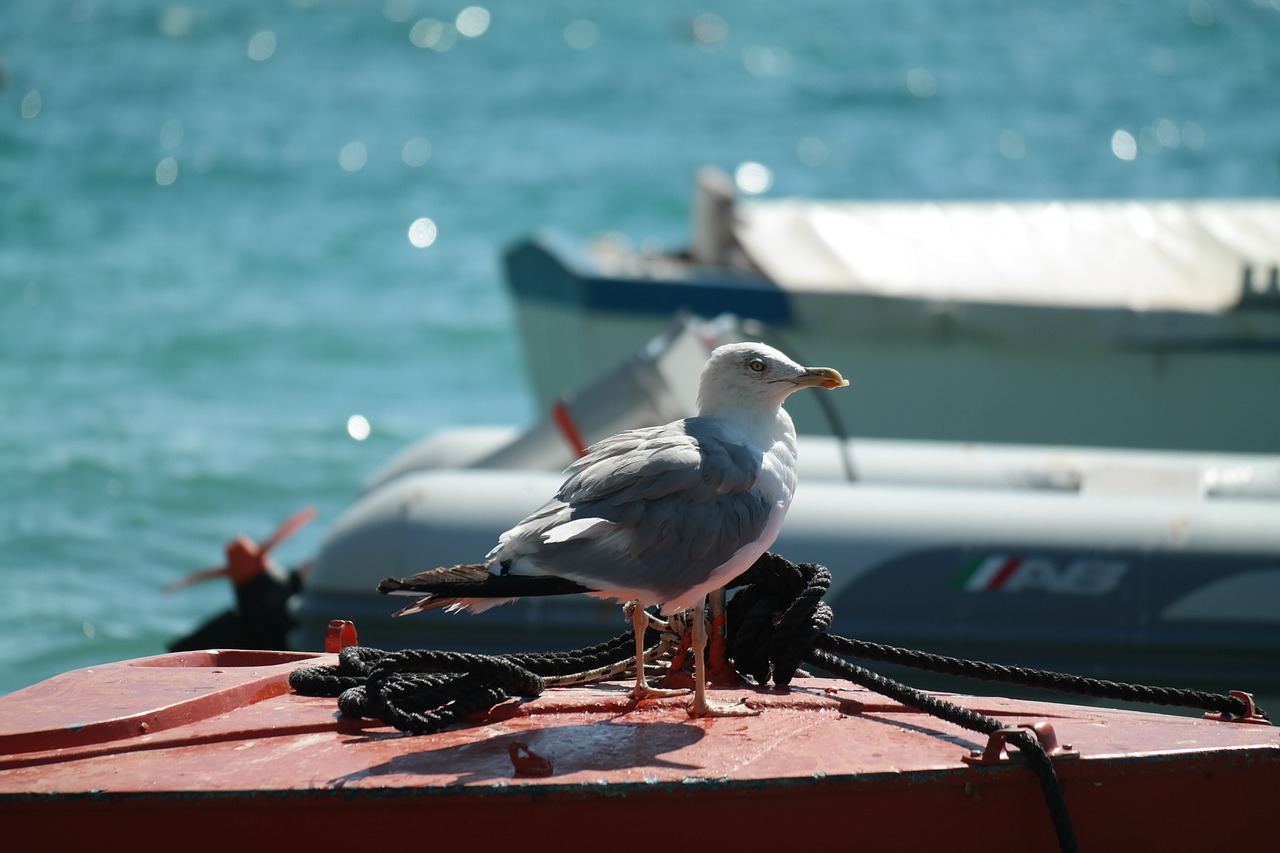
(1251, 713)
(996, 751)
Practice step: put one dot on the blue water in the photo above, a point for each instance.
(205, 212)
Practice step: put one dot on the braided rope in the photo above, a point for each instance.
(422, 691)
(775, 622)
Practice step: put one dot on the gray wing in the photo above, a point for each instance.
(678, 501)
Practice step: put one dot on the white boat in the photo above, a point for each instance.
(1138, 324)
(1154, 566)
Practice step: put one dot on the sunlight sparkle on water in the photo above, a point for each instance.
(31, 104)
(177, 21)
(1123, 145)
(1012, 145)
(472, 21)
(166, 171)
(437, 35)
(812, 151)
(358, 427)
(581, 34)
(416, 152)
(399, 11)
(710, 30)
(921, 83)
(353, 156)
(262, 46)
(766, 61)
(422, 232)
(753, 178)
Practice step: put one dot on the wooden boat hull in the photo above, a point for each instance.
(213, 748)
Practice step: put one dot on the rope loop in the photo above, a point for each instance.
(423, 691)
(354, 666)
(774, 620)
(418, 691)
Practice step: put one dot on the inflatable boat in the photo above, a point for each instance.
(1155, 566)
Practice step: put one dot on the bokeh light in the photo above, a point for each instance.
(433, 34)
(472, 21)
(416, 152)
(812, 151)
(422, 232)
(177, 21)
(921, 83)
(1123, 145)
(399, 11)
(262, 46)
(353, 156)
(31, 104)
(753, 178)
(166, 171)
(581, 34)
(1193, 136)
(1012, 145)
(710, 30)
(766, 61)
(358, 427)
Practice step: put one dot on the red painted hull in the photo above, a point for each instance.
(210, 749)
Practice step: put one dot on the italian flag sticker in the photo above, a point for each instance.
(987, 574)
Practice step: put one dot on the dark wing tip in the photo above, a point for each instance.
(436, 580)
(440, 587)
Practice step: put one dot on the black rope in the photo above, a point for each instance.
(772, 585)
(1025, 741)
(1036, 678)
(422, 692)
(774, 623)
(779, 620)
(771, 623)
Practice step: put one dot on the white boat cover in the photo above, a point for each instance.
(1139, 255)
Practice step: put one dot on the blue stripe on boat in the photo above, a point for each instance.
(548, 268)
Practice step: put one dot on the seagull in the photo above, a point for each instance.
(659, 516)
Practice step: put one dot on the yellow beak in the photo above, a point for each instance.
(822, 377)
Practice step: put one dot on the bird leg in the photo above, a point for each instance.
(700, 706)
(719, 669)
(642, 690)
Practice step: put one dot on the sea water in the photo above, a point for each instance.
(251, 248)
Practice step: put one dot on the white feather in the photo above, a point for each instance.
(579, 528)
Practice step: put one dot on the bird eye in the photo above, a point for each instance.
(756, 365)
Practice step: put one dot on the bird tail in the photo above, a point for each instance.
(471, 587)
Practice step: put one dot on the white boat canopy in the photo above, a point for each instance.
(1196, 256)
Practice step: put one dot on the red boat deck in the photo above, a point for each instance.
(207, 747)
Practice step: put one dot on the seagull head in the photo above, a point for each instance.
(756, 375)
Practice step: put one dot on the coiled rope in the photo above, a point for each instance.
(775, 622)
(422, 691)
(775, 585)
